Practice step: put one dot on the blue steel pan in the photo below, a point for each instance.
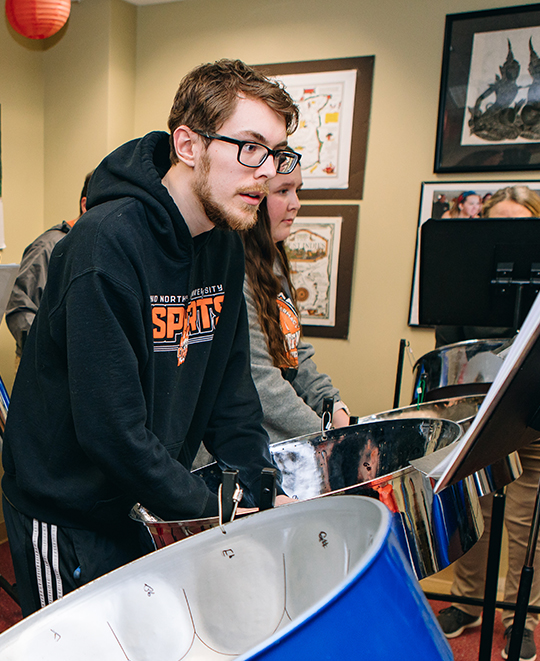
(323, 579)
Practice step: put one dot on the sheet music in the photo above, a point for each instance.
(515, 357)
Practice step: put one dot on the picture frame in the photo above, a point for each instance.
(489, 101)
(321, 250)
(430, 208)
(334, 97)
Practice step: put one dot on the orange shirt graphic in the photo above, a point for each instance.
(290, 325)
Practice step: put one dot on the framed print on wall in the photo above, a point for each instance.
(321, 252)
(489, 103)
(334, 98)
(435, 200)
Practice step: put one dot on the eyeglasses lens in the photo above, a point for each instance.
(252, 154)
(285, 162)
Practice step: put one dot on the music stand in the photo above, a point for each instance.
(461, 262)
(486, 273)
(508, 419)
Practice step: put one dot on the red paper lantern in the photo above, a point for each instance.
(37, 19)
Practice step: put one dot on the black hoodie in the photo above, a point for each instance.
(126, 368)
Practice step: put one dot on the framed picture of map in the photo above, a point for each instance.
(489, 103)
(334, 98)
(321, 251)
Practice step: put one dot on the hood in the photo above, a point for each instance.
(135, 170)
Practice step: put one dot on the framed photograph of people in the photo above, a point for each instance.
(334, 98)
(489, 104)
(320, 248)
(454, 200)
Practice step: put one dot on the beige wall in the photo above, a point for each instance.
(89, 98)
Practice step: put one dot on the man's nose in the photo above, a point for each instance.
(267, 169)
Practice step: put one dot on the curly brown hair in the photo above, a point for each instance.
(261, 256)
(207, 96)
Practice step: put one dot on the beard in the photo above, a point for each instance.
(217, 213)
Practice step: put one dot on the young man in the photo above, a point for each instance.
(140, 347)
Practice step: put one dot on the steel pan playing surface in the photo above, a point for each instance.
(313, 580)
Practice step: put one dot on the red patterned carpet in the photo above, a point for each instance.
(465, 648)
(10, 613)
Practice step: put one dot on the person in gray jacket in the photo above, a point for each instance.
(28, 288)
(290, 387)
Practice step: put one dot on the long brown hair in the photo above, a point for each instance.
(261, 255)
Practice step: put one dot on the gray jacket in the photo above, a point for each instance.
(30, 283)
(290, 409)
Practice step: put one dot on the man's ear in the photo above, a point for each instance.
(185, 144)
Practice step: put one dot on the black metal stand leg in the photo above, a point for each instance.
(492, 575)
(525, 584)
(10, 589)
(399, 373)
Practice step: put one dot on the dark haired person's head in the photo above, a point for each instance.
(82, 199)
(468, 205)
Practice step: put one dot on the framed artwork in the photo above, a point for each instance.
(321, 251)
(489, 104)
(334, 98)
(435, 202)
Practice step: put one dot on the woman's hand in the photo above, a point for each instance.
(340, 419)
(282, 499)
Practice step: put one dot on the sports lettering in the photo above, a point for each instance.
(179, 320)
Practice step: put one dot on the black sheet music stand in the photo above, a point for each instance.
(486, 273)
(460, 260)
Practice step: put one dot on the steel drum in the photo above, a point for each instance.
(461, 410)
(373, 459)
(463, 368)
(324, 579)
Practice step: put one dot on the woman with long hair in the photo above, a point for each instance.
(290, 388)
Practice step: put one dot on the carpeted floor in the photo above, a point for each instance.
(465, 648)
(10, 613)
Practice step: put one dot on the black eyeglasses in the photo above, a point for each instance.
(254, 154)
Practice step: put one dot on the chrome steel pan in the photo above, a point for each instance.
(461, 410)
(373, 459)
(167, 532)
(463, 368)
